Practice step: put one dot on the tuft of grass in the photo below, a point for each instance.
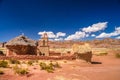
(43, 65)
(65, 61)
(117, 55)
(1, 72)
(3, 64)
(13, 61)
(30, 63)
(20, 71)
(49, 67)
(102, 54)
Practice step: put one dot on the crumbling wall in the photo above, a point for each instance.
(83, 52)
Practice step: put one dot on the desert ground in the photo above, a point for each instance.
(102, 68)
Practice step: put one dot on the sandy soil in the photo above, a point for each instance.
(102, 68)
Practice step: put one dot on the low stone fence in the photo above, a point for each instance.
(54, 54)
(34, 57)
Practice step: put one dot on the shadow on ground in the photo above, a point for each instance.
(94, 62)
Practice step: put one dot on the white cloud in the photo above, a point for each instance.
(49, 33)
(76, 36)
(95, 27)
(52, 36)
(106, 35)
(93, 35)
(58, 39)
(87, 35)
(60, 34)
(118, 37)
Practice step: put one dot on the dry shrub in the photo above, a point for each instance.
(20, 71)
(14, 61)
(3, 64)
(49, 67)
(1, 72)
(102, 54)
(117, 55)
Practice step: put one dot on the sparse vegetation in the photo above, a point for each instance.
(1, 72)
(56, 65)
(118, 55)
(65, 61)
(102, 54)
(30, 63)
(3, 64)
(20, 71)
(13, 61)
(49, 67)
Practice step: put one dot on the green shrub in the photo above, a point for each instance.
(43, 66)
(30, 63)
(118, 55)
(3, 64)
(20, 71)
(1, 72)
(49, 68)
(13, 61)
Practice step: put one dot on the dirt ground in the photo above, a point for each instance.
(102, 68)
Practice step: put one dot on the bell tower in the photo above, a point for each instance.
(44, 40)
(43, 45)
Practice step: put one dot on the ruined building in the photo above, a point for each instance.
(21, 45)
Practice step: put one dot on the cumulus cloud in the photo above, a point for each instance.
(52, 36)
(76, 36)
(118, 37)
(49, 33)
(87, 35)
(95, 27)
(60, 34)
(58, 39)
(93, 35)
(106, 35)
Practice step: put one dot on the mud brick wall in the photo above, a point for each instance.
(33, 57)
(54, 54)
(84, 56)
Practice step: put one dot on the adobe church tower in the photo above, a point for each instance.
(43, 45)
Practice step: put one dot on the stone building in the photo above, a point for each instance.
(43, 47)
(21, 45)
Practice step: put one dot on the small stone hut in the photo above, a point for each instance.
(83, 51)
(21, 45)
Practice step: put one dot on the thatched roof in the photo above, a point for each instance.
(21, 40)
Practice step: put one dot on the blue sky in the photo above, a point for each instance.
(61, 19)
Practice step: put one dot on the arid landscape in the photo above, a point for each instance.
(104, 65)
(59, 39)
(101, 68)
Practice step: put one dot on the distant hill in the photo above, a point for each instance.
(105, 43)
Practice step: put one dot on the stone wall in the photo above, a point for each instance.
(33, 57)
(84, 56)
